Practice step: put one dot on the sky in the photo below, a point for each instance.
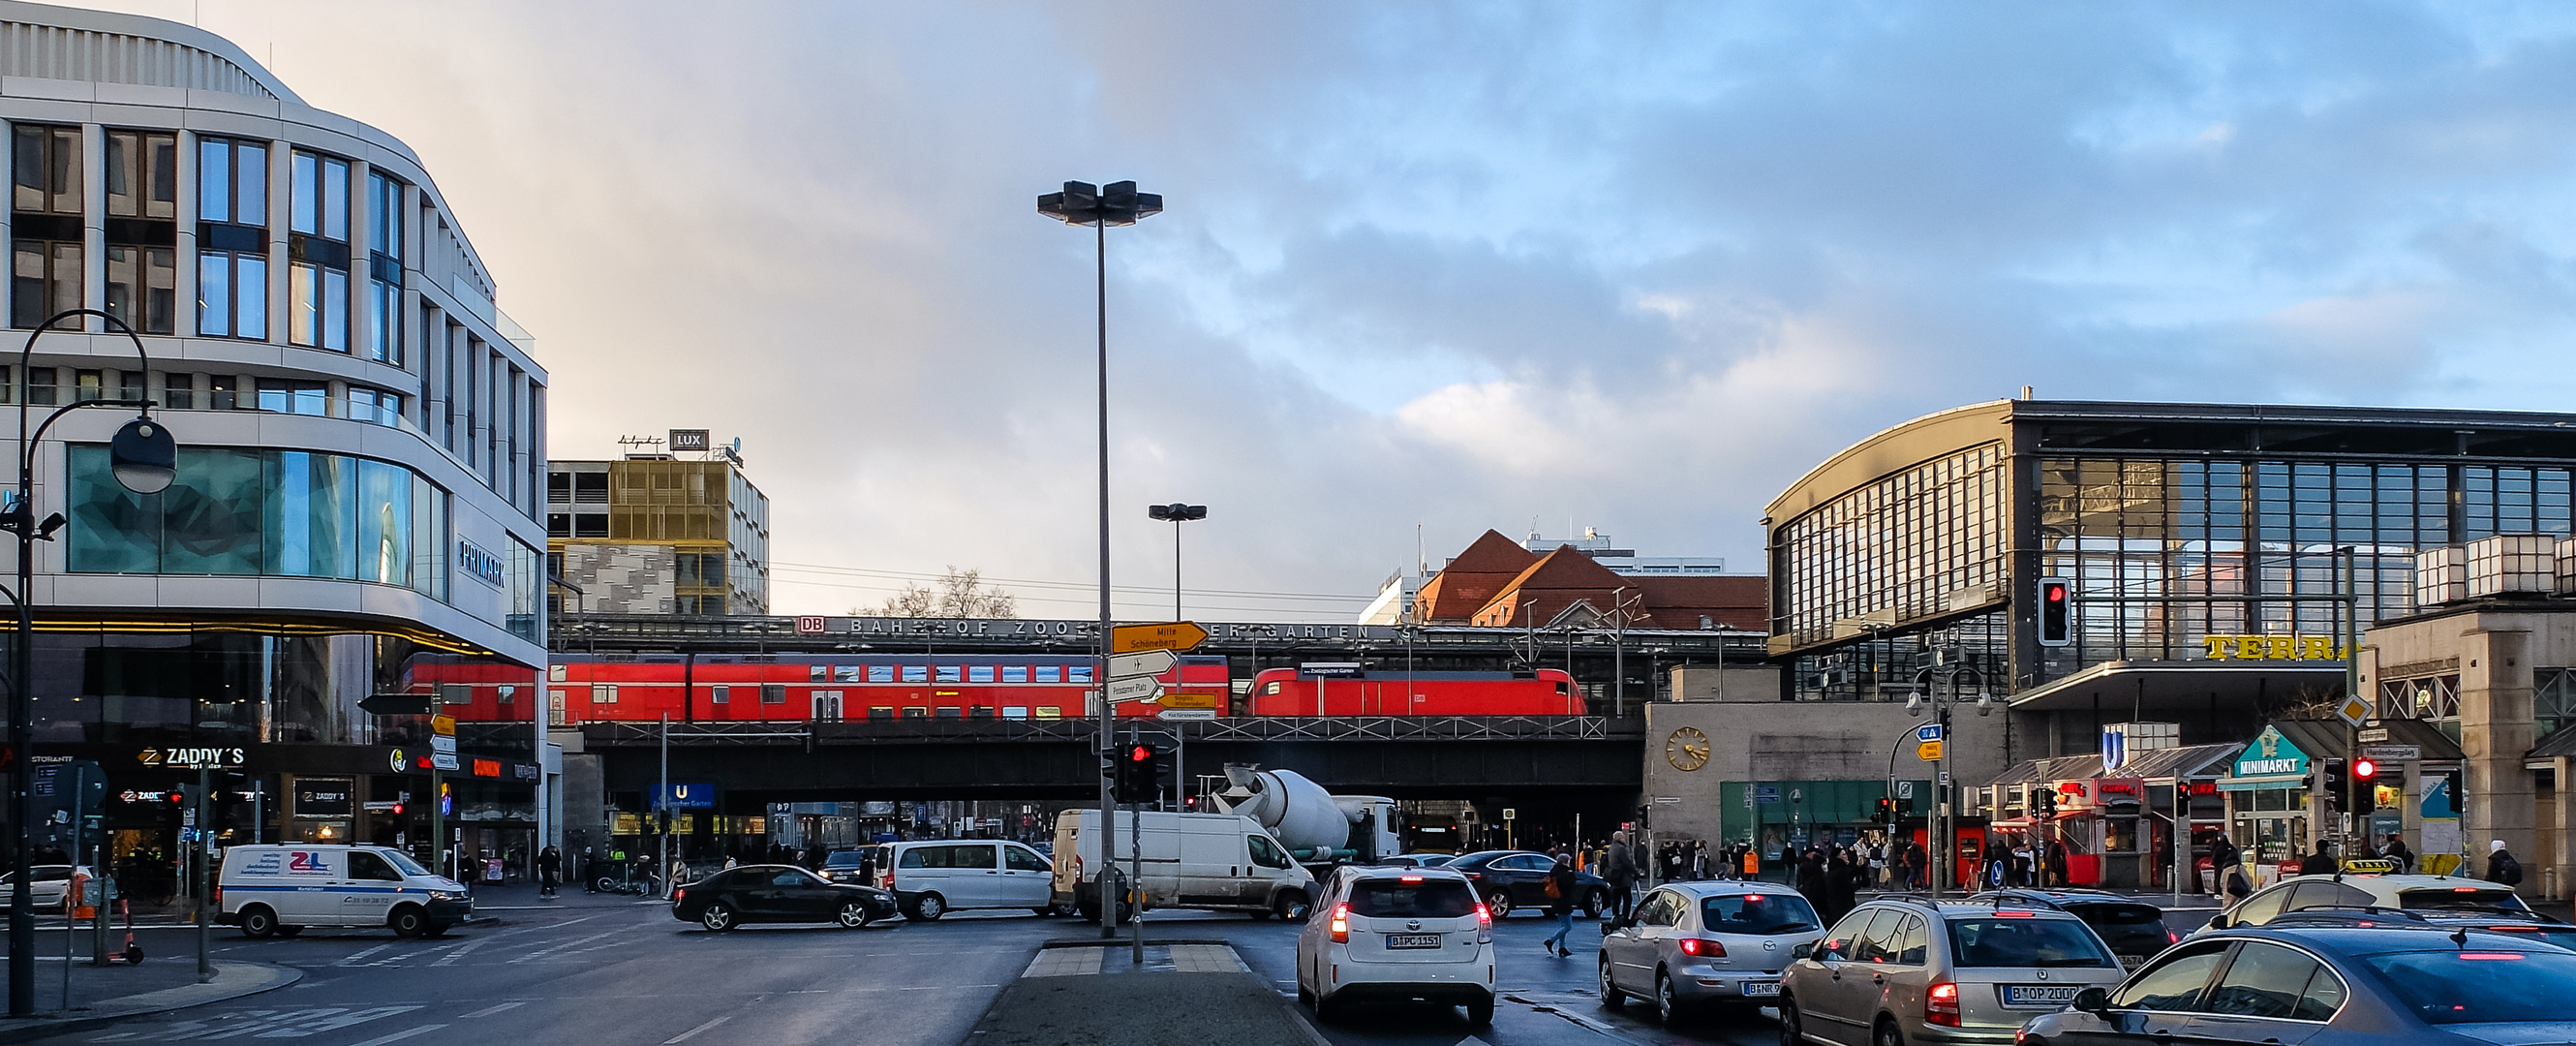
(1432, 268)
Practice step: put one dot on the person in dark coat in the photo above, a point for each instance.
(2223, 855)
(2396, 851)
(1619, 867)
(1811, 880)
(2321, 862)
(1842, 886)
(549, 871)
(2501, 867)
(1560, 905)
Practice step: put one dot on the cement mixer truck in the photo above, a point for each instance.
(1318, 828)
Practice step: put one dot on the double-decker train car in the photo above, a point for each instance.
(1289, 692)
(797, 687)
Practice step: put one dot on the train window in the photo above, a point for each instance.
(880, 673)
(948, 674)
(1050, 712)
(721, 695)
(916, 673)
(1077, 673)
(979, 712)
(916, 713)
(1270, 689)
(818, 673)
(1015, 673)
(773, 694)
(845, 673)
(603, 695)
(1050, 674)
(979, 673)
(1564, 689)
(880, 711)
(951, 712)
(1015, 712)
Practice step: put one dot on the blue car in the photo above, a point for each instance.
(1510, 880)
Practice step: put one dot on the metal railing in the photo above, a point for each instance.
(1083, 731)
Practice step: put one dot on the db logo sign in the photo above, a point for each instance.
(809, 626)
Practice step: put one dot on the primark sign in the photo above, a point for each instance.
(1016, 628)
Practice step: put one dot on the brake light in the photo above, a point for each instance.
(1696, 946)
(679, 895)
(1941, 1005)
(2507, 956)
(1475, 875)
(1752, 898)
(2172, 937)
(2515, 929)
(2013, 915)
(1484, 924)
(1341, 924)
(1408, 878)
(2464, 889)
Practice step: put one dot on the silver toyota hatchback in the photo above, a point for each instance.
(1696, 946)
(1907, 970)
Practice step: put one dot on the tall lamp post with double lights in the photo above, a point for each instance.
(144, 460)
(1948, 669)
(1100, 207)
(1178, 514)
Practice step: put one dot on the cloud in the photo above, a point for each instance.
(1456, 265)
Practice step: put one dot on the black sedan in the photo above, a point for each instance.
(777, 893)
(1509, 880)
(2329, 986)
(2134, 929)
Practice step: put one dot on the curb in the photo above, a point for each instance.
(1289, 1013)
(111, 1011)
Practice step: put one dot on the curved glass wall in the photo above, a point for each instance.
(1901, 544)
(271, 513)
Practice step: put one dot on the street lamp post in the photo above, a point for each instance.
(1178, 514)
(1943, 848)
(143, 458)
(1100, 207)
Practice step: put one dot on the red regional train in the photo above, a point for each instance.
(799, 687)
(1289, 692)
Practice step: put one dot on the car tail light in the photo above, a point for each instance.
(679, 895)
(2172, 937)
(2492, 956)
(2012, 915)
(1475, 875)
(1341, 924)
(1941, 1005)
(1484, 924)
(1408, 878)
(1697, 946)
(2515, 929)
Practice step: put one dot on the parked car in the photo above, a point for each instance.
(52, 881)
(1510, 880)
(934, 877)
(1696, 946)
(2134, 929)
(1908, 970)
(283, 888)
(852, 866)
(2330, 986)
(1397, 934)
(777, 893)
(2531, 925)
(2350, 890)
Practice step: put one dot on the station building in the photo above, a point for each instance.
(361, 441)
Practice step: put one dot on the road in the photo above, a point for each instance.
(598, 971)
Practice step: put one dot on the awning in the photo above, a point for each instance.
(2265, 782)
(2174, 688)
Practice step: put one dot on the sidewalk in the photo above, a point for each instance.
(1188, 993)
(101, 995)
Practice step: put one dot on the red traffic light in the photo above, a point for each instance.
(1139, 753)
(2364, 768)
(2055, 593)
(397, 811)
(176, 797)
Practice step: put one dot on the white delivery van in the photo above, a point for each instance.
(1220, 862)
(933, 877)
(284, 888)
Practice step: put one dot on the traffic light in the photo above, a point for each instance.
(1886, 808)
(2056, 612)
(1139, 775)
(179, 797)
(2043, 802)
(2365, 786)
(2338, 783)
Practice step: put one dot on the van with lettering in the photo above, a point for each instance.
(281, 889)
(1216, 862)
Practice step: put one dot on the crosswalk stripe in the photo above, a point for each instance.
(399, 1036)
(682, 1037)
(490, 1010)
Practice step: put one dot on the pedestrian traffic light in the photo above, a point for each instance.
(2056, 612)
(2338, 783)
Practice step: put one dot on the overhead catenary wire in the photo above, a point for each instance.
(1083, 586)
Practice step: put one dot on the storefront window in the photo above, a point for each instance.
(278, 513)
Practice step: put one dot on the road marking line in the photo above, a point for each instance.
(352, 960)
(399, 1036)
(490, 1010)
(683, 1036)
(450, 958)
(541, 952)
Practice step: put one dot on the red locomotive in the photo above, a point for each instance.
(1289, 692)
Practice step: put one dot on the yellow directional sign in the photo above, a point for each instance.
(1928, 751)
(1169, 635)
(443, 725)
(1189, 701)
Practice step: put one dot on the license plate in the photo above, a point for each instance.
(1761, 987)
(1413, 940)
(2131, 962)
(2039, 994)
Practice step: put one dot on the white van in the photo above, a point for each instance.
(1220, 862)
(284, 888)
(934, 877)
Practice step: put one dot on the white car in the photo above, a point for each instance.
(1398, 934)
(52, 881)
(932, 878)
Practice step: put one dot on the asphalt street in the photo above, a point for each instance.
(614, 971)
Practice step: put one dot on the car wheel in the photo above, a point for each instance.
(258, 921)
(716, 917)
(1610, 994)
(1668, 1008)
(1048, 910)
(1594, 903)
(1498, 904)
(1290, 907)
(1480, 1012)
(853, 914)
(407, 921)
(1789, 1031)
(1888, 1035)
(928, 907)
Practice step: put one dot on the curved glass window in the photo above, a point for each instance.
(276, 513)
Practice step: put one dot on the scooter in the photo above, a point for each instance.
(625, 882)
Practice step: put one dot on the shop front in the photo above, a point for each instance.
(1781, 819)
(2272, 804)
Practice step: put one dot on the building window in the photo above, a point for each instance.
(40, 386)
(45, 224)
(590, 525)
(222, 392)
(384, 269)
(295, 397)
(317, 247)
(179, 391)
(143, 230)
(232, 238)
(376, 406)
(262, 513)
(704, 569)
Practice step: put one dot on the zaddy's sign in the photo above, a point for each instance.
(191, 758)
(2270, 648)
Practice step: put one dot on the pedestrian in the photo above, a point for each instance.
(549, 871)
(1619, 868)
(2223, 855)
(2321, 862)
(1811, 881)
(2396, 851)
(2019, 873)
(1560, 889)
(2232, 880)
(1842, 885)
(2501, 867)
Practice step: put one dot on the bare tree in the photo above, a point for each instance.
(961, 593)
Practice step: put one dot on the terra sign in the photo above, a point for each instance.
(2270, 648)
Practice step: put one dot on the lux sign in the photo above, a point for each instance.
(2271, 648)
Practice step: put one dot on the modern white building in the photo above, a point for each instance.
(361, 464)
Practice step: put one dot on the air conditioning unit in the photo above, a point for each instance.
(2441, 576)
(2513, 564)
